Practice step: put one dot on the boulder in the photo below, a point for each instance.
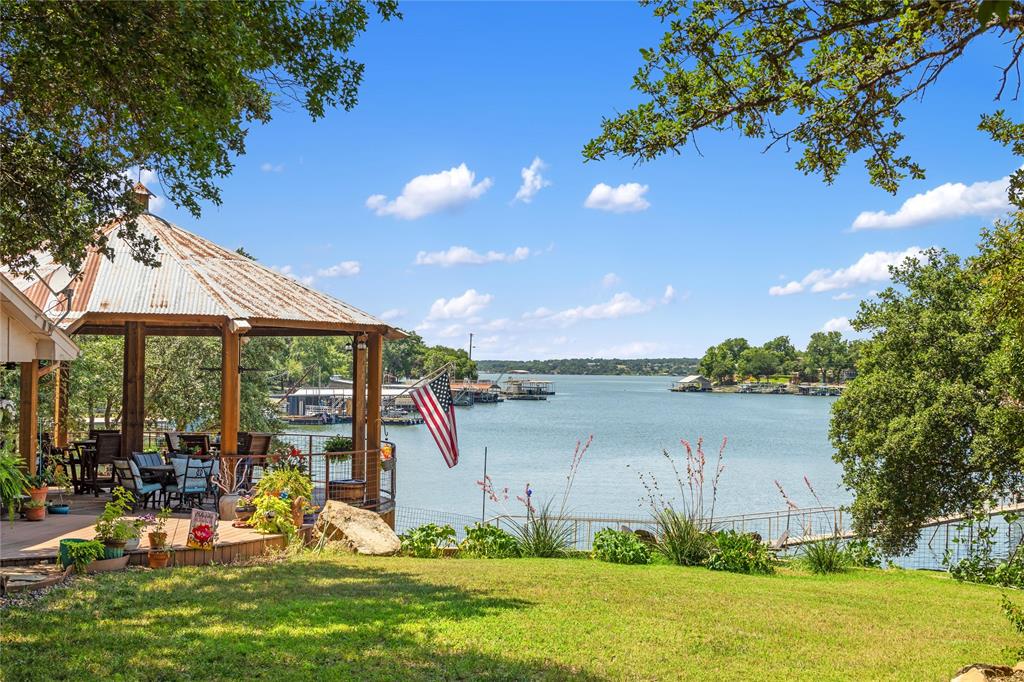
(358, 530)
(983, 672)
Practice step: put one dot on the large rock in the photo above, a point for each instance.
(983, 672)
(359, 530)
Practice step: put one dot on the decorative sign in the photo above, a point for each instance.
(202, 529)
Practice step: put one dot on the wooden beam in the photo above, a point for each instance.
(61, 379)
(375, 386)
(28, 415)
(358, 405)
(230, 401)
(133, 389)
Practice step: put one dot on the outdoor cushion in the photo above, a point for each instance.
(191, 474)
(131, 478)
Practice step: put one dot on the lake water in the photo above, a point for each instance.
(632, 419)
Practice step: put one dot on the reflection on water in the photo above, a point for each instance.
(632, 419)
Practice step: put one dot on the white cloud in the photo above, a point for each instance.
(425, 194)
(392, 314)
(837, 324)
(346, 268)
(871, 267)
(951, 200)
(845, 296)
(498, 325)
(610, 280)
(533, 181)
(622, 304)
(669, 295)
(463, 255)
(626, 198)
(458, 307)
(288, 271)
(634, 349)
(267, 167)
(450, 331)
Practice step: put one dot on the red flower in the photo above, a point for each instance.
(202, 533)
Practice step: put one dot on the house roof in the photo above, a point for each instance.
(26, 333)
(692, 378)
(197, 285)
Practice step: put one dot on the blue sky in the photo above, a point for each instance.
(667, 259)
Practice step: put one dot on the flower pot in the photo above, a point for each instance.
(297, 505)
(35, 513)
(157, 540)
(158, 558)
(65, 560)
(308, 519)
(227, 504)
(113, 550)
(104, 565)
(132, 545)
(38, 494)
(245, 513)
(60, 508)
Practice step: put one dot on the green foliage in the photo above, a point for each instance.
(978, 537)
(831, 80)
(824, 556)
(111, 525)
(84, 107)
(681, 540)
(13, 480)
(620, 547)
(81, 554)
(544, 533)
(291, 481)
(1014, 614)
(338, 444)
(428, 540)
(861, 553)
(488, 542)
(758, 362)
(593, 366)
(739, 553)
(826, 356)
(273, 515)
(925, 430)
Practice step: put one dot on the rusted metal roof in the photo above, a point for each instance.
(196, 278)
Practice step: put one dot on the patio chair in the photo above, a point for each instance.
(93, 433)
(148, 459)
(173, 441)
(190, 442)
(131, 480)
(106, 450)
(192, 481)
(252, 448)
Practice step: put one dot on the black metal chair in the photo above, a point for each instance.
(106, 450)
(130, 479)
(194, 443)
(192, 481)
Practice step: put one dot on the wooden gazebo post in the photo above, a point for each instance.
(359, 406)
(28, 411)
(375, 384)
(230, 396)
(133, 389)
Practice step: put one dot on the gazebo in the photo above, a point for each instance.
(202, 289)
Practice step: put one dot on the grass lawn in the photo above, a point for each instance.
(342, 617)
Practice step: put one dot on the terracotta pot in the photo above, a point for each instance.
(158, 558)
(157, 540)
(297, 505)
(38, 494)
(35, 513)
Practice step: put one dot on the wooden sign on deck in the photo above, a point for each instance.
(202, 529)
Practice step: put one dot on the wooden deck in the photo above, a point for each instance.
(25, 542)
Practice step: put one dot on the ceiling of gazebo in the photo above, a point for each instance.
(198, 286)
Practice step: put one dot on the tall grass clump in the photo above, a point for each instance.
(684, 525)
(824, 556)
(827, 554)
(546, 530)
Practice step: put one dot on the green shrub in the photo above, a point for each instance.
(824, 556)
(680, 538)
(620, 547)
(861, 553)
(982, 565)
(544, 534)
(82, 554)
(488, 542)
(273, 515)
(1015, 614)
(286, 478)
(739, 553)
(428, 540)
(338, 444)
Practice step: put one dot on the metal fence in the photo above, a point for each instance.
(787, 530)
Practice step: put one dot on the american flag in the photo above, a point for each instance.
(434, 401)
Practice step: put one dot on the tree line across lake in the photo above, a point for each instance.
(593, 366)
(827, 357)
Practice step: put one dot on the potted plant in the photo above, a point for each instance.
(35, 510)
(158, 536)
(57, 473)
(387, 456)
(12, 476)
(82, 553)
(309, 513)
(112, 528)
(158, 558)
(338, 448)
(244, 508)
(37, 487)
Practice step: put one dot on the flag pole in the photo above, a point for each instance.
(483, 505)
